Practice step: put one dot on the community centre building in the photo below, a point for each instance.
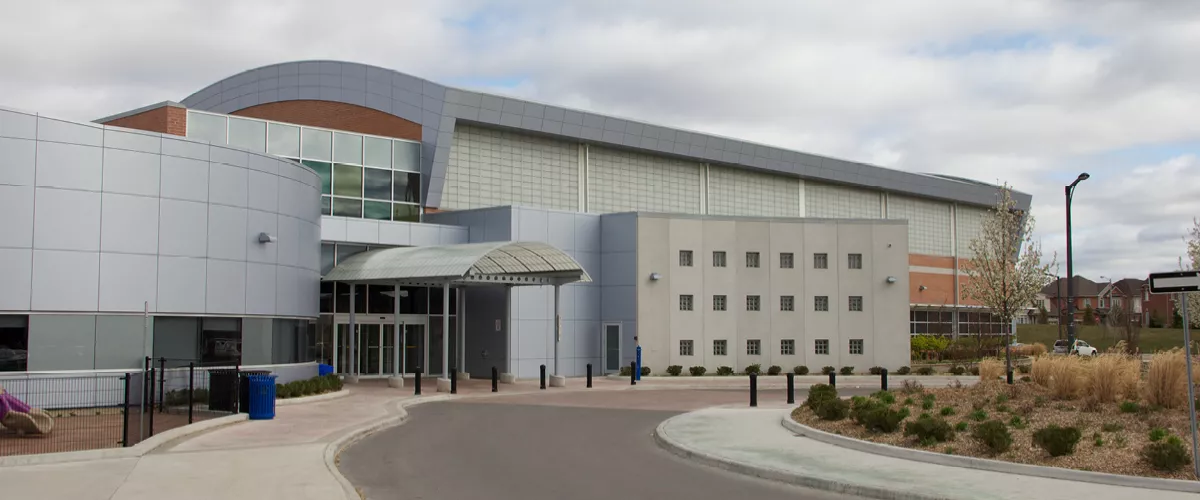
(380, 222)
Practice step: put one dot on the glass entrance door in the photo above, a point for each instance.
(369, 361)
(414, 347)
(389, 349)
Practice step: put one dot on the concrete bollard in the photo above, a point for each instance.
(543, 376)
(753, 390)
(495, 380)
(791, 388)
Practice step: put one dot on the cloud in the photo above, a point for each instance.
(1030, 92)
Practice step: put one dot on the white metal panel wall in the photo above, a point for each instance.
(928, 223)
(839, 202)
(620, 181)
(970, 226)
(733, 191)
(491, 167)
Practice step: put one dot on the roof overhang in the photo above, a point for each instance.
(473, 264)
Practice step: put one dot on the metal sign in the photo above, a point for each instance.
(1175, 282)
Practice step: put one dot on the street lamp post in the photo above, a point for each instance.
(1070, 191)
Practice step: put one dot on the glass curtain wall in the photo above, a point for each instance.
(362, 176)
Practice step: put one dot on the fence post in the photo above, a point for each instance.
(454, 381)
(417, 381)
(633, 373)
(191, 389)
(237, 388)
(495, 380)
(543, 371)
(833, 379)
(753, 390)
(125, 415)
(883, 379)
(150, 405)
(589, 375)
(162, 384)
(791, 388)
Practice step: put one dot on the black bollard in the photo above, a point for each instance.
(1010, 377)
(753, 390)
(833, 379)
(495, 380)
(543, 376)
(883, 379)
(417, 381)
(633, 373)
(791, 388)
(589, 374)
(454, 381)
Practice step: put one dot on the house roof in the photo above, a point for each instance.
(1083, 287)
(1130, 286)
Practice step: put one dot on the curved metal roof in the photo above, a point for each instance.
(509, 262)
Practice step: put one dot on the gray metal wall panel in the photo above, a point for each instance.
(61, 342)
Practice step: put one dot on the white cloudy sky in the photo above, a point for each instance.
(1028, 92)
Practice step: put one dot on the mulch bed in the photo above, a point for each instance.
(1116, 451)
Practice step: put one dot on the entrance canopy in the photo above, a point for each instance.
(500, 263)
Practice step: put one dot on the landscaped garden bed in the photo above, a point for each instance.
(1102, 415)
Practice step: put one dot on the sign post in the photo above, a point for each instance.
(1183, 283)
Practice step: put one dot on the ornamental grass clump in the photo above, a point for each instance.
(1111, 377)
(990, 369)
(1166, 381)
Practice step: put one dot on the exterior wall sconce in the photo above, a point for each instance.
(266, 238)
(655, 276)
(891, 279)
(922, 288)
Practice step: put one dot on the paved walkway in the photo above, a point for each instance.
(752, 441)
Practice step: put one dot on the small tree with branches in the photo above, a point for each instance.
(1191, 262)
(1006, 271)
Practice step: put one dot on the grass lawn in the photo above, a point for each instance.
(1152, 339)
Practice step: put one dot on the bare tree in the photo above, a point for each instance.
(1191, 262)
(1006, 270)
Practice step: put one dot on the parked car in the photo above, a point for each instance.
(1060, 347)
(1081, 348)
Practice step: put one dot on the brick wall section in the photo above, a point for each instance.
(337, 116)
(939, 287)
(164, 120)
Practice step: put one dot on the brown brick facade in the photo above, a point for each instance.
(939, 286)
(337, 116)
(165, 119)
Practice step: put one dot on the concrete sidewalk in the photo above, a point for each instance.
(752, 442)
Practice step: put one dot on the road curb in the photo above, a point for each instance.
(664, 440)
(1058, 473)
(313, 399)
(146, 446)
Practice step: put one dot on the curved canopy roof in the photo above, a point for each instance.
(500, 263)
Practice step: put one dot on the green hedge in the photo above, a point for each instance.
(310, 387)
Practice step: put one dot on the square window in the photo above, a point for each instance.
(821, 303)
(685, 258)
(787, 303)
(719, 259)
(786, 260)
(718, 348)
(856, 303)
(347, 148)
(753, 347)
(685, 348)
(854, 261)
(283, 140)
(787, 347)
(821, 346)
(751, 259)
(347, 180)
(856, 346)
(752, 303)
(316, 144)
(685, 302)
(377, 184)
(718, 302)
(346, 207)
(820, 261)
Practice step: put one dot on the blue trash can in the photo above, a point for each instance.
(324, 369)
(262, 397)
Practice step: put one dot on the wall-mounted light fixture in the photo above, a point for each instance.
(655, 276)
(891, 279)
(922, 288)
(266, 238)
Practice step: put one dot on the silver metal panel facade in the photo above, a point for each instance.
(107, 220)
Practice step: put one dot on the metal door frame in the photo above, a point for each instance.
(604, 345)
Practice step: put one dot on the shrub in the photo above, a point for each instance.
(800, 370)
(925, 370)
(978, 415)
(911, 386)
(908, 401)
(991, 369)
(1037, 349)
(674, 370)
(921, 344)
(926, 428)
(847, 370)
(947, 411)
(903, 370)
(1003, 408)
(831, 409)
(625, 371)
(1002, 398)
(875, 416)
(875, 370)
(1057, 441)
(753, 369)
(1157, 434)
(1112, 376)
(820, 392)
(1024, 369)
(724, 371)
(961, 426)
(1112, 427)
(827, 370)
(994, 435)
(1130, 407)
(1168, 456)
(957, 370)
(1017, 423)
(884, 396)
(697, 371)
(774, 370)
(1166, 381)
(927, 404)
(645, 371)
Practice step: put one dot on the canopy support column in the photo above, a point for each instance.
(397, 379)
(557, 380)
(443, 384)
(352, 358)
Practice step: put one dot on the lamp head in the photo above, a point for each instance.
(1083, 177)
